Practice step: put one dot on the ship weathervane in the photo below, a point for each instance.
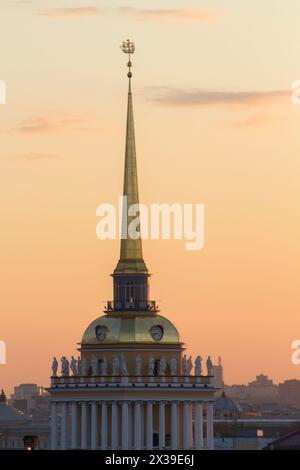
(128, 47)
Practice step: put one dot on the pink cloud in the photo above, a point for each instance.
(259, 120)
(71, 12)
(53, 123)
(171, 14)
(197, 97)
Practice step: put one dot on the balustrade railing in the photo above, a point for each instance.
(135, 305)
(133, 379)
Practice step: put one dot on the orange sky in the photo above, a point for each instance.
(214, 125)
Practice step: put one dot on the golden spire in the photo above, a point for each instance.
(131, 255)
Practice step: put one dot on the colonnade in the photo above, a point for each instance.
(132, 424)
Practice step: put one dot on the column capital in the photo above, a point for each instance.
(163, 402)
(125, 402)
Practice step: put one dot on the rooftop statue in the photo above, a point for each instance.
(104, 366)
(94, 362)
(115, 365)
(173, 366)
(162, 366)
(138, 365)
(184, 365)
(54, 367)
(84, 367)
(78, 365)
(209, 366)
(189, 365)
(151, 365)
(198, 366)
(124, 369)
(64, 366)
(73, 365)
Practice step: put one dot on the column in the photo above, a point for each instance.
(130, 425)
(191, 427)
(199, 426)
(63, 440)
(142, 426)
(149, 419)
(125, 425)
(137, 426)
(114, 426)
(94, 425)
(74, 422)
(104, 425)
(210, 425)
(83, 425)
(161, 425)
(174, 425)
(186, 426)
(53, 426)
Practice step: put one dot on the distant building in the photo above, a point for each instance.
(261, 381)
(218, 377)
(226, 407)
(239, 393)
(25, 395)
(289, 392)
(252, 434)
(289, 441)
(16, 428)
(259, 391)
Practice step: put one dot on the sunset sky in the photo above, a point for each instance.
(214, 125)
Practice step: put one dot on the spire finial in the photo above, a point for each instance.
(128, 47)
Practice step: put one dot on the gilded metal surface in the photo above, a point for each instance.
(131, 255)
(131, 328)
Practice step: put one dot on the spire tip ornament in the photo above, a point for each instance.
(128, 47)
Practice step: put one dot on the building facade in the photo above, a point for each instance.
(16, 428)
(289, 392)
(132, 386)
(25, 396)
(219, 377)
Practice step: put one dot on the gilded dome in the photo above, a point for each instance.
(126, 328)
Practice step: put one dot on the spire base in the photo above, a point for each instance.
(131, 266)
